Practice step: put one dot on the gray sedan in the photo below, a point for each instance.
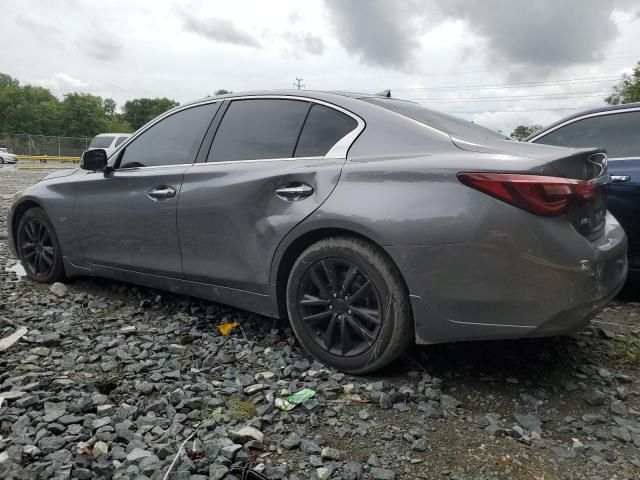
(370, 222)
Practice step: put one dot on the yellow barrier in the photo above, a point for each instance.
(44, 158)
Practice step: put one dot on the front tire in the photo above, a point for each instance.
(348, 305)
(38, 247)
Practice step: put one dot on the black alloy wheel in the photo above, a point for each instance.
(38, 247)
(340, 307)
(348, 305)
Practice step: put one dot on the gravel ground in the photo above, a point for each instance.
(111, 379)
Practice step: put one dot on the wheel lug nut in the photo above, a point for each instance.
(346, 297)
(349, 311)
(339, 317)
(330, 307)
(334, 295)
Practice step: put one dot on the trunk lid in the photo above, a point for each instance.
(588, 164)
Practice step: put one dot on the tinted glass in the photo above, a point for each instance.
(101, 142)
(455, 126)
(120, 140)
(253, 129)
(173, 141)
(322, 130)
(619, 133)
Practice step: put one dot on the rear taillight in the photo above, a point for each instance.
(548, 196)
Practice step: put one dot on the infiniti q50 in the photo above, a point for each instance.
(369, 222)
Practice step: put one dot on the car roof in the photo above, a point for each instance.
(314, 94)
(604, 108)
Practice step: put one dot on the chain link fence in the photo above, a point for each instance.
(43, 149)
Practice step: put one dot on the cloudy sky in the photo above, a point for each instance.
(496, 62)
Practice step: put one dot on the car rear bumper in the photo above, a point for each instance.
(519, 276)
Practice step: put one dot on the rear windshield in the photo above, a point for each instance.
(101, 142)
(454, 126)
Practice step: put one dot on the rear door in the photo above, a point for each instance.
(619, 133)
(126, 219)
(272, 163)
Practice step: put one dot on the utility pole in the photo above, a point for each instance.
(298, 83)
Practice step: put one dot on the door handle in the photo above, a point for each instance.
(620, 178)
(161, 193)
(294, 191)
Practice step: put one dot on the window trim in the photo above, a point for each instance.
(118, 153)
(338, 151)
(544, 133)
(225, 109)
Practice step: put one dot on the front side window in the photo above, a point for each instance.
(618, 133)
(323, 128)
(101, 142)
(258, 129)
(173, 141)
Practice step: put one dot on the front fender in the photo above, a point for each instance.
(56, 196)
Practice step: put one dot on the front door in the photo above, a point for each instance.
(264, 174)
(126, 219)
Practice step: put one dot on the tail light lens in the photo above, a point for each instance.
(542, 195)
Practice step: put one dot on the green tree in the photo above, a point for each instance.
(109, 106)
(523, 131)
(139, 111)
(117, 125)
(8, 81)
(222, 91)
(27, 109)
(82, 115)
(627, 90)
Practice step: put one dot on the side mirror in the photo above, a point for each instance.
(94, 160)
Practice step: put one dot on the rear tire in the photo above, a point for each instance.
(38, 247)
(348, 305)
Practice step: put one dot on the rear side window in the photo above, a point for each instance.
(449, 124)
(172, 141)
(120, 140)
(258, 129)
(619, 133)
(101, 142)
(322, 130)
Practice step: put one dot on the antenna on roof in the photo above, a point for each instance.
(384, 93)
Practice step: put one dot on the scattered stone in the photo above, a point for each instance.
(382, 474)
(329, 453)
(245, 434)
(100, 448)
(58, 289)
(595, 397)
(529, 422)
(217, 472)
(619, 408)
(138, 454)
(291, 441)
(385, 401)
(322, 473)
(307, 446)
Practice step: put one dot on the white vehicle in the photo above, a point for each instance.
(6, 157)
(108, 141)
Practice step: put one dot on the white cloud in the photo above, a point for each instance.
(125, 49)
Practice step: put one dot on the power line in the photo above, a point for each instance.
(563, 109)
(547, 83)
(515, 98)
(455, 72)
(298, 83)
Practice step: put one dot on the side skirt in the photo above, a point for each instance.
(254, 302)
